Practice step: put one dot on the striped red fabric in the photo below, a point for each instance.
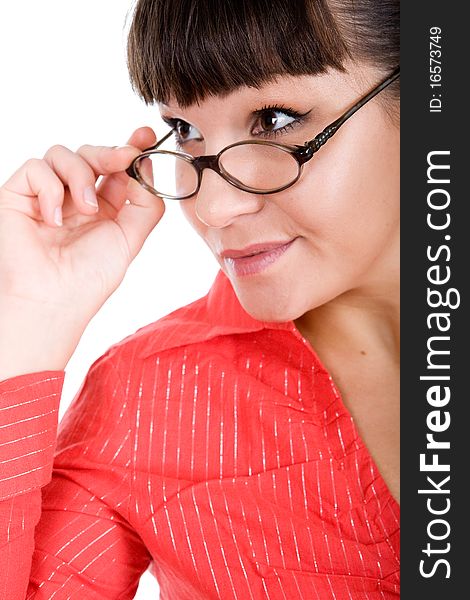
(209, 445)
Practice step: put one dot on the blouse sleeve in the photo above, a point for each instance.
(64, 527)
(28, 427)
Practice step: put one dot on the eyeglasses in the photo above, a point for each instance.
(255, 166)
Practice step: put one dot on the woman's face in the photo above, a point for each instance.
(341, 218)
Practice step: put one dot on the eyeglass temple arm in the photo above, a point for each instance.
(165, 137)
(332, 128)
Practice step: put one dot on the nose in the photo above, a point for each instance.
(218, 203)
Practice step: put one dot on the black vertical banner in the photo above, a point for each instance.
(435, 358)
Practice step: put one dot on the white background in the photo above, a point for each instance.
(63, 80)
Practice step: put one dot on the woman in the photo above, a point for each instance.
(246, 445)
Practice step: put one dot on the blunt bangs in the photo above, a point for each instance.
(188, 50)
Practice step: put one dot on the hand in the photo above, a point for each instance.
(65, 273)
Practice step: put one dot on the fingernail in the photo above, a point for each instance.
(89, 196)
(58, 216)
(127, 146)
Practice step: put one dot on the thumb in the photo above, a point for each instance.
(138, 216)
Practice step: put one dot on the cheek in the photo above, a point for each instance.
(188, 208)
(373, 206)
(346, 198)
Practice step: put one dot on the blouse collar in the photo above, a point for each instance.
(218, 313)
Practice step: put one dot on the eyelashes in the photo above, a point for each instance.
(280, 111)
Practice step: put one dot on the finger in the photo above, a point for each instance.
(79, 170)
(35, 179)
(113, 188)
(139, 216)
(102, 159)
(76, 174)
(142, 138)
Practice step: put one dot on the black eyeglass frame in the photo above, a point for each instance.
(301, 153)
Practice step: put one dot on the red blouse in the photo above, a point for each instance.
(208, 444)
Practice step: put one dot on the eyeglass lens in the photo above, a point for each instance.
(253, 166)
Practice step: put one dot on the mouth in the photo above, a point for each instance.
(255, 249)
(256, 258)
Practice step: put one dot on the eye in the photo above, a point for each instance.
(184, 132)
(273, 120)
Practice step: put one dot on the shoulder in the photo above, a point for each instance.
(218, 313)
(136, 357)
(168, 332)
(214, 325)
(127, 370)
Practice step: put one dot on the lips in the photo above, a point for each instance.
(254, 259)
(254, 249)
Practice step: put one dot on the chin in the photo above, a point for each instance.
(272, 307)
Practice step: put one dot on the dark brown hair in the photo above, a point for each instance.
(190, 49)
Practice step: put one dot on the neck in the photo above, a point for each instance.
(363, 321)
